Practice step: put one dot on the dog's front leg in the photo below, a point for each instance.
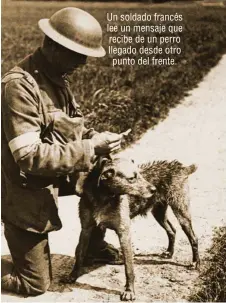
(124, 235)
(87, 224)
(80, 253)
(125, 241)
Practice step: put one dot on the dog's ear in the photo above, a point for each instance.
(100, 165)
(101, 161)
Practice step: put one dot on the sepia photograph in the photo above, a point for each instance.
(113, 149)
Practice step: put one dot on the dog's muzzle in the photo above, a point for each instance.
(151, 189)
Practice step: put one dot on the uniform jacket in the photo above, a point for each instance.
(43, 138)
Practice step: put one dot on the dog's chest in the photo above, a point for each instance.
(106, 215)
(112, 215)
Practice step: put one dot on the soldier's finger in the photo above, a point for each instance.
(114, 138)
(124, 134)
(114, 144)
(115, 148)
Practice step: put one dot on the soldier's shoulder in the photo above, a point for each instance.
(18, 74)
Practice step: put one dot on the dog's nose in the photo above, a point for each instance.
(152, 189)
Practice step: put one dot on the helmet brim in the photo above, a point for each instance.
(49, 31)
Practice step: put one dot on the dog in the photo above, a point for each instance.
(116, 191)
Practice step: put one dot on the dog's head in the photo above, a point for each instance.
(121, 176)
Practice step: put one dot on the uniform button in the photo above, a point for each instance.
(36, 71)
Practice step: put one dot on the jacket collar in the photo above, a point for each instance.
(48, 69)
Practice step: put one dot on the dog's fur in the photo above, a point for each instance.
(116, 191)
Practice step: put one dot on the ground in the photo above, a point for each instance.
(194, 132)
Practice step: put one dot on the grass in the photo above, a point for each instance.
(212, 281)
(122, 97)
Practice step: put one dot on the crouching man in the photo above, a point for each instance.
(43, 142)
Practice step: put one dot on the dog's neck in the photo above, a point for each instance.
(97, 191)
(103, 194)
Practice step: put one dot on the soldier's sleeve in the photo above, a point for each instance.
(22, 127)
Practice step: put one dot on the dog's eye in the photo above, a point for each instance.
(133, 179)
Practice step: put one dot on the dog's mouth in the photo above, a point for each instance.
(148, 195)
(151, 189)
(144, 195)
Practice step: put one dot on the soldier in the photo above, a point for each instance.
(43, 142)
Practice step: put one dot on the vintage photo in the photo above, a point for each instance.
(113, 148)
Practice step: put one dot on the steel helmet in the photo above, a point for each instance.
(76, 30)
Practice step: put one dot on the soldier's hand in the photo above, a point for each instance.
(106, 142)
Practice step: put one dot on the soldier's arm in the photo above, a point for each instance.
(22, 126)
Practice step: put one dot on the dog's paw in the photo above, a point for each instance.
(117, 262)
(127, 295)
(166, 255)
(195, 266)
(72, 277)
(68, 279)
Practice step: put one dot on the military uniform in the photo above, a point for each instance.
(43, 139)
